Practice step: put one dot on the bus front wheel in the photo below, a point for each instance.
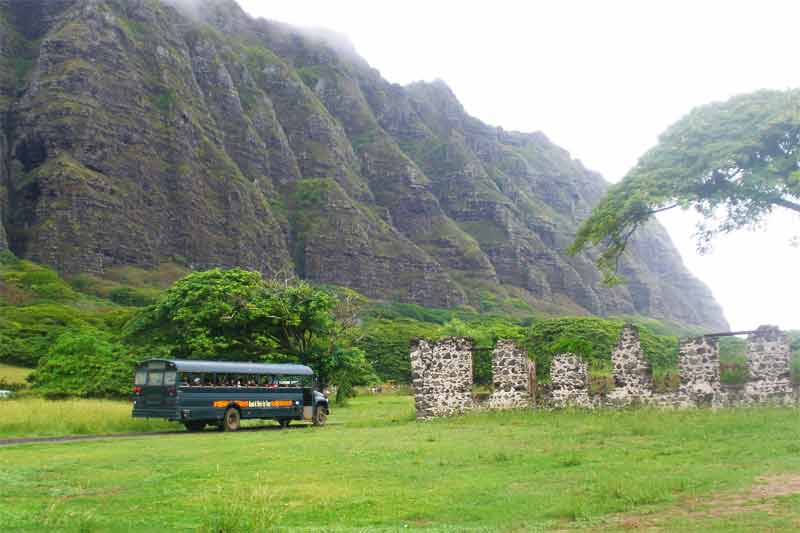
(232, 420)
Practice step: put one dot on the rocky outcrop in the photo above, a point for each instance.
(142, 131)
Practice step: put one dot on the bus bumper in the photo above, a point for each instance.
(154, 412)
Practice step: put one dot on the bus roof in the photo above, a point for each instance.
(229, 367)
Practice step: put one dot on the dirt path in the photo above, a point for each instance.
(73, 438)
(762, 496)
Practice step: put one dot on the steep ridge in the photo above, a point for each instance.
(142, 131)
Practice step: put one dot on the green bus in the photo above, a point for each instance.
(222, 394)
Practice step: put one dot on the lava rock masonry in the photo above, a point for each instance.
(442, 376)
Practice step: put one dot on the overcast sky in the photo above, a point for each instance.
(601, 79)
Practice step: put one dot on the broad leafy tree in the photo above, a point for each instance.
(236, 315)
(733, 162)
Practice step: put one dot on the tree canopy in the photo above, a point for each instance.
(236, 315)
(733, 162)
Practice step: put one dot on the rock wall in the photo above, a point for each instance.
(769, 362)
(633, 374)
(442, 376)
(569, 379)
(513, 376)
(699, 368)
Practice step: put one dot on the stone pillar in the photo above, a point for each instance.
(442, 376)
(769, 360)
(569, 381)
(513, 376)
(633, 374)
(699, 368)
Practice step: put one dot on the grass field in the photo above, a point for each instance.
(36, 417)
(375, 468)
(13, 374)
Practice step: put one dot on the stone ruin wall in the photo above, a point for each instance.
(442, 376)
(769, 364)
(513, 377)
(569, 381)
(633, 374)
(698, 361)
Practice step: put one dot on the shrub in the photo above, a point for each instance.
(593, 339)
(84, 363)
(26, 332)
(386, 345)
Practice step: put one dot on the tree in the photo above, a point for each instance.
(236, 315)
(218, 314)
(733, 162)
(87, 363)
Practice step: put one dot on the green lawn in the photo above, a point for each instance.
(374, 467)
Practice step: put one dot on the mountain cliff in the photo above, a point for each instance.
(145, 131)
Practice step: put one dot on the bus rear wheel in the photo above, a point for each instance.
(320, 416)
(232, 420)
(194, 425)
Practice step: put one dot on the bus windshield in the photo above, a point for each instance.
(155, 374)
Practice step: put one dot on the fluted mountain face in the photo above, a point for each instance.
(143, 131)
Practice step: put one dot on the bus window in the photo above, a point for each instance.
(141, 377)
(169, 377)
(208, 380)
(155, 377)
(292, 381)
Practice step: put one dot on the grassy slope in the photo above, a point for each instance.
(377, 468)
(13, 374)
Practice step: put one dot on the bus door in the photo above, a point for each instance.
(159, 387)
